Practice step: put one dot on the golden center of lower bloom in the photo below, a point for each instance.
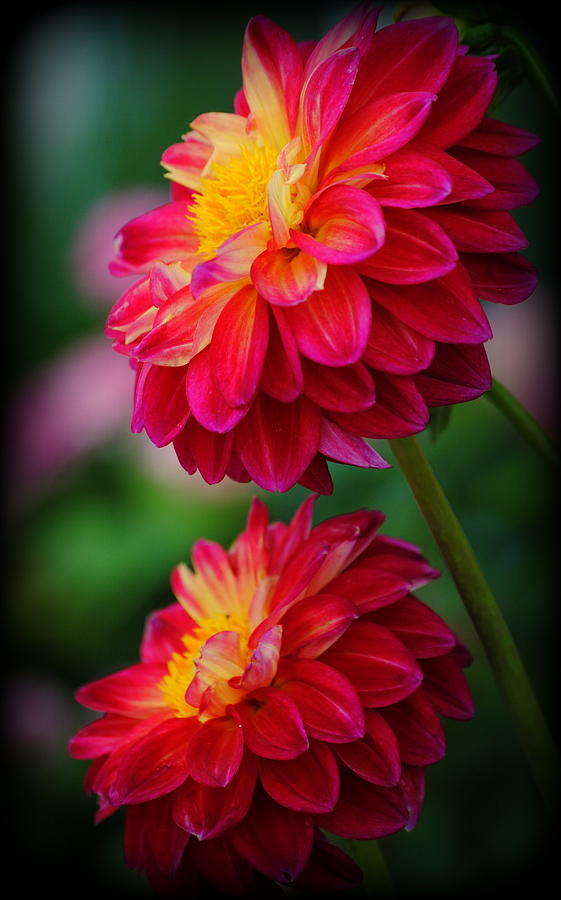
(182, 666)
(233, 197)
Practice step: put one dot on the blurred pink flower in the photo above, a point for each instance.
(92, 247)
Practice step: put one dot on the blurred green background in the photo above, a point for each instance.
(96, 518)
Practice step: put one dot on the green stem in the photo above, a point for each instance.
(485, 614)
(377, 881)
(519, 416)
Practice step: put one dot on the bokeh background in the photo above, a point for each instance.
(96, 517)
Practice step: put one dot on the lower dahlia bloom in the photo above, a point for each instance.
(296, 688)
(315, 278)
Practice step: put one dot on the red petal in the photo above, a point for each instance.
(210, 452)
(163, 632)
(514, 186)
(412, 179)
(399, 411)
(209, 811)
(396, 347)
(381, 669)
(413, 787)
(414, 250)
(500, 277)
(445, 309)
(458, 372)
(499, 138)
(206, 401)
(462, 102)
(238, 346)
(287, 277)
(328, 703)
(164, 403)
(448, 687)
(282, 376)
(479, 231)
(155, 764)
(272, 725)
(167, 842)
(277, 441)
(312, 625)
(325, 94)
(215, 752)
(133, 691)
(345, 224)
(274, 840)
(345, 389)
(365, 811)
(417, 626)
(222, 867)
(163, 234)
(337, 444)
(328, 869)
(100, 737)
(308, 784)
(376, 756)
(418, 729)
(332, 327)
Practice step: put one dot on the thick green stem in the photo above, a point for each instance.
(485, 614)
(525, 423)
(377, 881)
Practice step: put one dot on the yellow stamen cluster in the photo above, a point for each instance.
(181, 666)
(233, 197)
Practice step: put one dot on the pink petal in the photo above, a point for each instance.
(412, 179)
(272, 79)
(417, 53)
(346, 225)
(238, 346)
(155, 764)
(307, 784)
(381, 669)
(444, 309)
(376, 756)
(458, 372)
(277, 441)
(332, 327)
(272, 724)
(263, 663)
(215, 752)
(162, 234)
(163, 632)
(287, 277)
(274, 840)
(133, 691)
(462, 102)
(414, 250)
(325, 94)
(365, 811)
(210, 811)
(205, 398)
(394, 346)
(328, 703)
(337, 444)
(356, 29)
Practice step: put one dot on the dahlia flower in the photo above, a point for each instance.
(294, 689)
(315, 279)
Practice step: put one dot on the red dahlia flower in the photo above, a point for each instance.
(296, 687)
(314, 280)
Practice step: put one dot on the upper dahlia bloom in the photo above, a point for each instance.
(295, 688)
(315, 279)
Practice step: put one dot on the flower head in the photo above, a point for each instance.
(315, 279)
(296, 687)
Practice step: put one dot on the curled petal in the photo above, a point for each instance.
(287, 277)
(164, 234)
(99, 737)
(312, 625)
(185, 162)
(345, 224)
(282, 376)
(394, 346)
(375, 757)
(163, 632)
(215, 752)
(458, 372)
(164, 403)
(272, 724)
(417, 626)
(307, 784)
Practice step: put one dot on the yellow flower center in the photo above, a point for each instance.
(233, 197)
(181, 666)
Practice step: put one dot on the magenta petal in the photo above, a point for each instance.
(418, 730)
(412, 179)
(327, 701)
(337, 444)
(499, 138)
(274, 840)
(379, 666)
(205, 398)
(238, 346)
(332, 327)
(365, 811)
(417, 626)
(99, 737)
(307, 784)
(514, 186)
(462, 102)
(328, 869)
(478, 230)
(414, 250)
(277, 441)
(133, 691)
(209, 811)
(313, 624)
(163, 632)
(345, 224)
(400, 410)
(210, 452)
(325, 94)
(272, 725)
(215, 752)
(155, 764)
(218, 862)
(287, 277)
(394, 346)
(412, 785)
(166, 841)
(282, 376)
(447, 687)
(344, 389)
(163, 234)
